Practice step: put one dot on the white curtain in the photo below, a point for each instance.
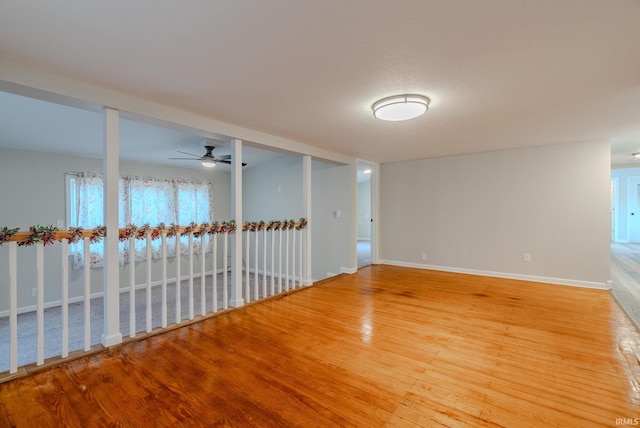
(142, 200)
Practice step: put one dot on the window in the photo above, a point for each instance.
(142, 200)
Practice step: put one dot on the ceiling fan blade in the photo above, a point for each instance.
(229, 162)
(190, 154)
(184, 158)
(223, 157)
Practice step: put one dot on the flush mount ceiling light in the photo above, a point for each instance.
(636, 154)
(400, 107)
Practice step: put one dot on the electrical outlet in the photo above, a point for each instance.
(34, 292)
(423, 256)
(526, 257)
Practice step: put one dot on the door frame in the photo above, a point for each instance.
(374, 189)
(632, 196)
(615, 205)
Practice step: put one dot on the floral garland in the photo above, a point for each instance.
(141, 232)
(125, 233)
(188, 229)
(74, 235)
(48, 234)
(157, 232)
(214, 228)
(200, 231)
(98, 233)
(302, 223)
(173, 230)
(6, 234)
(275, 224)
(37, 234)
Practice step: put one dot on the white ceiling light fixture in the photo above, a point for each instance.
(401, 107)
(636, 154)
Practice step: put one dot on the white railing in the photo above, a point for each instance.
(257, 259)
(259, 263)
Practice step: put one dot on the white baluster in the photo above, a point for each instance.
(40, 314)
(279, 260)
(225, 293)
(149, 258)
(293, 260)
(300, 254)
(65, 297)
(203, 295)
(214, 251)
(247, 293)
(132, 287)
(13, 307)
(191, 310)
(273, 258)
(178, 273)
(255, 269)
(286, 278)
(87, 294)
(164, 279)
(264, 262)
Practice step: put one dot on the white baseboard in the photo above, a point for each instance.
(533, 278)
(350, 271)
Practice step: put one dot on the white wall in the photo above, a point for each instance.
(333, 238)
(273, 191)
(479, 213)
(32, 191)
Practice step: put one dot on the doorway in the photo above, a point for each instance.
(625, 245)
(364, 216)
(633, 200)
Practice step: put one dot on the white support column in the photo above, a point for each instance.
(87, 294)
(148, 294)
(132, 286)
(214, 254)
(40, 300)
(191, 297)
(236, 214)
(65, 297)
(306, 198)
(111, 170)
(203, 282)
(375, 214)
(13, 307)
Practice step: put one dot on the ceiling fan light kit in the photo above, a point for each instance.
(208, 160)
(400, 107)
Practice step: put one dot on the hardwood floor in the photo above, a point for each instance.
(625, 276)
(387, 346)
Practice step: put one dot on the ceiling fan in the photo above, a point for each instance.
(208, 159)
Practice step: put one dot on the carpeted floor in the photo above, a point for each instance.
(364, 253)
(27, 322)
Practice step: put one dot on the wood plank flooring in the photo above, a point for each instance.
(625, 276)
(387, 346)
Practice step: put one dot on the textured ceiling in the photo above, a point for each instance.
(500, 73)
